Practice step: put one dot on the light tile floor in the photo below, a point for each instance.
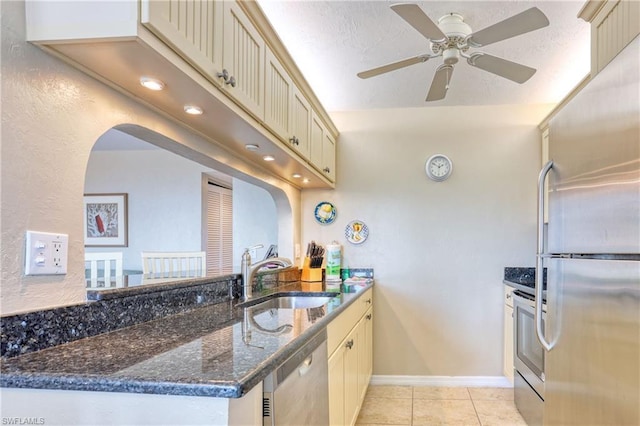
(450, 406)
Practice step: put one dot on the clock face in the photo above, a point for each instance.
(438, 167)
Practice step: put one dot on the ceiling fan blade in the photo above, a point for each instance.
(393, 66)
(529, 20)
(440, 83)
(498, 66)
(415, 16)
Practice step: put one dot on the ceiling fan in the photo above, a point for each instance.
(452, 38)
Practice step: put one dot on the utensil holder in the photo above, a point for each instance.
(310, 274)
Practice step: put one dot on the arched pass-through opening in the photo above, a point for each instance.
(163, 180)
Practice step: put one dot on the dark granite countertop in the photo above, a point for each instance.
(524, 279)
(139, 284)
(201, 352)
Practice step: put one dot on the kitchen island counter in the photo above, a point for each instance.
(201, 352)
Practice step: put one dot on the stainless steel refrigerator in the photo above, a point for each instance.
(592, 252)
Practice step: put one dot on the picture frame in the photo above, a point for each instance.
(105, 220)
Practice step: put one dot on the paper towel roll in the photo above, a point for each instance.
(334, 257)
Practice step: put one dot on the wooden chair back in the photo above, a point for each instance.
(105, 269)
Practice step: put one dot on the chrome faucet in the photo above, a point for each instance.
(248, 271)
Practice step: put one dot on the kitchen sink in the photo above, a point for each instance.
(290, 301)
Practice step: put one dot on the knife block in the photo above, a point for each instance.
(310, 274)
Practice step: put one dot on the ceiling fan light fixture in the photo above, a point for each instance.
(451, 56)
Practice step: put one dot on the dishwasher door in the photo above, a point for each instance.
(297, 392)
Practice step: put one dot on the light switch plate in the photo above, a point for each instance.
(46, 253)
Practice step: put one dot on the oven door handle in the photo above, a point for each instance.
(539, 257)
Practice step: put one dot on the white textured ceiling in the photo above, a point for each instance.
(331, 41)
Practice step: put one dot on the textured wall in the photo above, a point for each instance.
(254, 221)
(51, 117)
(438, 249)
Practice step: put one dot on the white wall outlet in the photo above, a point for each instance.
(46, 253)
(297, 251)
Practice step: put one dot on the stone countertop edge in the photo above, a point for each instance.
(112, 293)
(206, 388)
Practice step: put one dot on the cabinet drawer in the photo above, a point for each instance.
(340, 327)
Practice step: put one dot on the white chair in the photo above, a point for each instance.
(105, 269)
(175, 264)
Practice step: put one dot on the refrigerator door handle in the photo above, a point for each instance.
(539, 256)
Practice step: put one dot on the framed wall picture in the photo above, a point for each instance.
(105, 220)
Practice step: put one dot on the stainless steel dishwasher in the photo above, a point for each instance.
(297, 392)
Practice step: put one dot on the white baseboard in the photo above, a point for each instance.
(445, 381)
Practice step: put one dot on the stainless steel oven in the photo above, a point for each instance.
(529, 357)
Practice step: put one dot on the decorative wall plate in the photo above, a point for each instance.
(325, 213)
(356, 232)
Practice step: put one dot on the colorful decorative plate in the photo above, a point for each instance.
(325, 213)
(356, 232)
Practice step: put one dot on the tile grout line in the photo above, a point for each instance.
(474, 407)
(412, 399)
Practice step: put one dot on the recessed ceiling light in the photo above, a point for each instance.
(268, 158)
(151, 83)
(193, 109)
(251, 147)
(305, 180)
(296, 175)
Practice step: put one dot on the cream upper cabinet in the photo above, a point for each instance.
(243, 59)
(287, 111)
(317, 137)
(614, 24)
(323, 149)
(301, 115)
(278, 94)
(220, 55)
(218, 39)
(329, 156)
(192, 28)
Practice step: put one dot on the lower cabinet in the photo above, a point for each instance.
(350, 363)
(508, 333)
(365, 356)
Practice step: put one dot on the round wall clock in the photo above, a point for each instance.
(438, 167)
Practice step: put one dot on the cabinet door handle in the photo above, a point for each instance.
(224, 75)
(508, 296)
(349, 344)
(367, 301)
(369, 316)
(326, 170)
(294, 140)
(228, 79)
